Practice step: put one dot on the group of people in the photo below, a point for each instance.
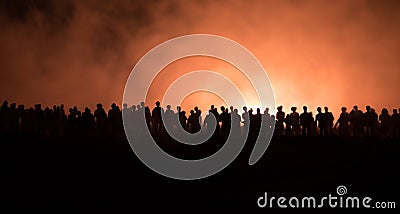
(356, 123)
(56, 122)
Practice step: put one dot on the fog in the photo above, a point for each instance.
(319, 53)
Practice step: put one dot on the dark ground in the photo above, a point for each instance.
(102, 174)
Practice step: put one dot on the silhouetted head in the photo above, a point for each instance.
(280, 108)
(245, 108)
(305, 108)
(385, 111)
(133, 108)
(125, 106)
(38, 106)
(368, 108)
(326, 109)
(142, 104)
(319, 109)
(231, 108)
(355, 108)
(178, 108)
(372, 110)
(344, 109)
(196, 109)
(168, 107)
(293, 109)
(158, 104)
(13, 105)
(183, 112)
(222, 108)
(235, 110)
(87, 110)
(191, 112)
(266, 111)
(99, 105)
(258, 111)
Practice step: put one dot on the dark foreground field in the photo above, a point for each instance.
(102, 174)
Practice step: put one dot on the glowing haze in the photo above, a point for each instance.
(319, 53)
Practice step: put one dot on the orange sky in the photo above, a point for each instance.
(315, 52)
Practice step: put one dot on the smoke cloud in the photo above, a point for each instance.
(319, 53)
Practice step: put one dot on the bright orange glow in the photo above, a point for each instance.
(316, 53)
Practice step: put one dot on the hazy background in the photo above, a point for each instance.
(80, 53)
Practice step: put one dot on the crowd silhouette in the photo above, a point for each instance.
(56, 122)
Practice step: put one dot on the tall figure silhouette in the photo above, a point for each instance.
(295, 121)
(156, 116)
(280, 119)
(321, 119)
(306, 122)
(328, 120)
(343, 121)
(356, 118)
(385, 119)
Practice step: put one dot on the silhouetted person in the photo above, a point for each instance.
(193, 121)
(306, 122)
(289, 125)
(13, 118)
(295, 121)
(245, 117)
(88, 120)
(169, 117)
(100, 118)
(181, 115)
(225, 121)
(210, 123)
(329, 120)
(343, 121)
(321, 119)
(368, 121)
(356, 119)
(257, 121)
(197, 112)
(235, 117)
(375, 129)
(39, 119)
(156, 116)
(115, 118)
(385, 119)
(280, 119)
(252, 127)
(4, 110)
(267, 120)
